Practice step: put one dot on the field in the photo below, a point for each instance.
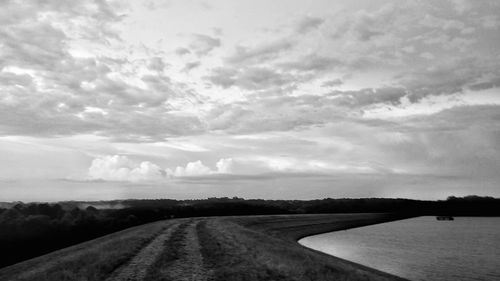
(215, 248)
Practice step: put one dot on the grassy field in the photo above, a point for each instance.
(216, 248)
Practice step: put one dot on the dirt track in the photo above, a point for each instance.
(190, 265)
(187, 266)
(137, 268)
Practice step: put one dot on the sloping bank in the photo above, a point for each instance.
(207, 249)
(266, 248)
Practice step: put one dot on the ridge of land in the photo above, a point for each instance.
(207, 249)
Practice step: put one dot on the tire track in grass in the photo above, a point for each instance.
(43, 265)
(181, 259)
(137, 268)
(190, 265)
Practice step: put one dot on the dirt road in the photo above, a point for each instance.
(137, 268)
(186, 264)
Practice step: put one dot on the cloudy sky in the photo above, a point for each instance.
(258, 99)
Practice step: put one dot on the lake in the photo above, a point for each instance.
(422, 248)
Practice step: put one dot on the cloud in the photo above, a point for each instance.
(363, 42)
(202, 44)
(224, 166)
(283, 113)
(451, 76)
(367, 97)
(192, 169)
(308, 23)
(122, 168)
(53, 70)
(182, 51)
(197, 168)
(260, 53)
(191, 65)
(157, 64)
(332, 83)
(312, 62)
(250, 78)
(65, 70)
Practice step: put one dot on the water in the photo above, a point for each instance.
(421, 248)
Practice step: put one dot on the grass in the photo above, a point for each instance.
(294, 227)
(92, 260)
(170, 253)
(248, 248)
(265, 248)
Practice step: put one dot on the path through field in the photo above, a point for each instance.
(189, 266)
(186, 266)
(137, 268)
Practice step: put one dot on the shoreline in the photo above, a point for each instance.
(365, 267)
(293, 231)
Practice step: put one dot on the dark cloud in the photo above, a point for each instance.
(16, 80)
(260, 53)
(250, 78)
(461, 118)
(182, 51)
(157, 64)
(365, 97)
(311, 62)
(223, 76)
(332, 83)
(308, 23)
(365, 25)
(36, 46)
(450, 76)
(191, 65)
(283, 113)
(248, 68)
(218, 31)
(276, 113)
(202, 44)
(484, 85)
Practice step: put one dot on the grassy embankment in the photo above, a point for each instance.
(92, 260)
(219, 248)
(265, 248)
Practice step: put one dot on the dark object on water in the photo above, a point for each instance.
(444, 218)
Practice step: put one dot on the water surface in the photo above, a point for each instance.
(421, 248)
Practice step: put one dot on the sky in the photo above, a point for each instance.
(283, 99)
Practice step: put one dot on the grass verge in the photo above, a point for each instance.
(265, 248)
(92, 260)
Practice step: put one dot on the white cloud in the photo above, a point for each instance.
(197, 168)
(122, 168)
(224, 166)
